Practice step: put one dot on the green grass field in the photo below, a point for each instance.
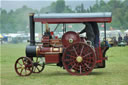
(115, 73)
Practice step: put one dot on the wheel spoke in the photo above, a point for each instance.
(25, 72)
(30, 65)
(75, 51)
(86, 65)
(23, 61)
(80, 69)
(73, 66)
(34, 69)
(87, 54)
(70, 63)
(40, 65)
(19, 64)
(21, 71)
(19, 67)
(70, 56)
(37, 59)
(66, 60)
(38, 69)
(82, 50)
(88, 58)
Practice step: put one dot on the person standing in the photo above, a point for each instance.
(92, 32)
(126, 38)
(96, 32)
(47, 32)
(119, 38)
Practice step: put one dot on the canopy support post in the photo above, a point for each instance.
(42, 28)
(63, 28)
(105, 33)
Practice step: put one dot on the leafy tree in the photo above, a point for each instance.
(18, 20)
(60, 6)
(68, 10)
(80, 8)
(118, 9)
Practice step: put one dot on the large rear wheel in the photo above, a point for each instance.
(79, 59)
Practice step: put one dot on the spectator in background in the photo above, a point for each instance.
(115, 41)
(126, 38)
(105, 43)
(119, 38)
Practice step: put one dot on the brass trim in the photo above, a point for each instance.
(79, 59)
(51, 53)
(70, 40)
(50, 49)
(47, 28)
(61, 50)
(37, 50)
(56, 49)
(31, 14)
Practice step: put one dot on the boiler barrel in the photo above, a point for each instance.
(31, 51)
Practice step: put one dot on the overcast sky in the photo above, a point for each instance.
(37, 4)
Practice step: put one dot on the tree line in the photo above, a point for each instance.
(17, 20)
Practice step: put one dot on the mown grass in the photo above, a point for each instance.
(115, 73)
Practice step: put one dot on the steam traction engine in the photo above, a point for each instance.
(73, 53)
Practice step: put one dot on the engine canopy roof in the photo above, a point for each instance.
(55, 18)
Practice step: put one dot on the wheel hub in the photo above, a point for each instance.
(71, 40)
(23, 66)
(35, 64)
(79, 59)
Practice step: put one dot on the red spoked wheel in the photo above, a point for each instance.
(79, 59)
(38, 65)
(23, 66)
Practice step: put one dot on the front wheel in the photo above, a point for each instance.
(23, 66)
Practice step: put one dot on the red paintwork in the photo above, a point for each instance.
(65, 42)
(73, 20)
(51, 55)
(55, 41)
(52, 58)
(44, 49)
(45, 39)
(56, 37)
(52, 33)
(99, 56)
(70, 35)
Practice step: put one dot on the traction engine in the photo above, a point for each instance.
(74, 53)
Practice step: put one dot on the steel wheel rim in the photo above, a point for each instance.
(82, 67)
